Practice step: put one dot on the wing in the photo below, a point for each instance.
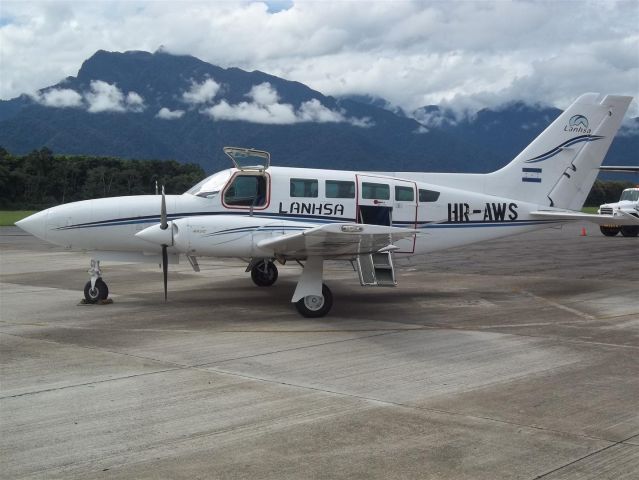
(336, 240)
(623, 219)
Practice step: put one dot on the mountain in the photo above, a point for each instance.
(507, 130)
(161, 106)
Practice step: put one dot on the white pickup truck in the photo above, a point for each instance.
(629, 204)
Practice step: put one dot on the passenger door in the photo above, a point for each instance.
(388, 201)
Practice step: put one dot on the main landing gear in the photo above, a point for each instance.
(312, 298)
(96, 289)
(315, 306)
(264, 273)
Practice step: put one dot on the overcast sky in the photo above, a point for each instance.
(466, 55)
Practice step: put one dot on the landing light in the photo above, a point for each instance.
(352, 228)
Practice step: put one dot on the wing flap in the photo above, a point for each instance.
(622, 219)
(336, 240)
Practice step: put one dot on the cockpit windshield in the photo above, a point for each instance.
(211, 185)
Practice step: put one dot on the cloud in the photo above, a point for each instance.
(629, 127)
(203, 92)
(465, 55)
(167, 114)
(135, 102)
(106, 97)
(265, 108)
(59, 98)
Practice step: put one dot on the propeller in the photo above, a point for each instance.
(165, 255)
(158, 235)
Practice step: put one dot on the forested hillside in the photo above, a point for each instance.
(42, 179)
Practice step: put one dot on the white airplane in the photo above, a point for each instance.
(265, 214)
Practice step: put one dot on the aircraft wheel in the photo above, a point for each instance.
(609, 231)
(630, 231)
(315, 306)
(264, 274)
(100, 292)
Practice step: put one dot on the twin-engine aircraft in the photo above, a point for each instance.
(268, 214)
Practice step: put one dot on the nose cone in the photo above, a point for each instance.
(156, 235)
(35, 224)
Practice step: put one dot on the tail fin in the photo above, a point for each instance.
(559, 167)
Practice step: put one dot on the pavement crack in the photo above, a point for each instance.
(596, 452)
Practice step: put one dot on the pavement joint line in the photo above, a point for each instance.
(558, 305)
(84, 384)
(413, 407)
(613, 317)
(169, 330)
(559, 340)
(204, 368)
(332, 342)
(596, 452)
(177, 366)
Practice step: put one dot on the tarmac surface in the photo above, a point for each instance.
(517, 358)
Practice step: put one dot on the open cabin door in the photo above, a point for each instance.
(248, 159)
(249, 188)
(390, 202)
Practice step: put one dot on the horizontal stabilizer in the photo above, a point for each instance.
(569, 215)
(620, 168)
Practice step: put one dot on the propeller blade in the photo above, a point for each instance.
(163, 223)
(165, 268)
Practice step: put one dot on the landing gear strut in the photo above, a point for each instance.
(264, 273)
(95, 289)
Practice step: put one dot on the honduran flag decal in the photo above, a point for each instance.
(531, 175)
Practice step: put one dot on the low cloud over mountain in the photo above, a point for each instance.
(163, 106)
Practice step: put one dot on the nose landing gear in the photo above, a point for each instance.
(96, 289)
(264, 273)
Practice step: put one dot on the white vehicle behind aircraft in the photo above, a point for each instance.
(628, 204)
(266, 214)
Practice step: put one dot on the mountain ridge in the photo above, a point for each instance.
(146, 105)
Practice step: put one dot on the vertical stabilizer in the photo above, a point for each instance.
(559, 167)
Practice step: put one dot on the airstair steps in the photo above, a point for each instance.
(376, 269)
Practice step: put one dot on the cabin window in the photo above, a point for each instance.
(340, 189)
(426, 196)
(377, 191)
(246, 191)
(404, 194)
(303, 187)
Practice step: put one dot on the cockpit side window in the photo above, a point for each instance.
(212, 185)
(246, 191)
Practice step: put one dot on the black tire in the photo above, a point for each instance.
(100, 292)
(263, 278)
(314, 306)
(609, 231)
(630, 231)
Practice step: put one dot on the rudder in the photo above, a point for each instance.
(559, 167)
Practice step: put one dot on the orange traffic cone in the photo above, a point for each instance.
(583, 231)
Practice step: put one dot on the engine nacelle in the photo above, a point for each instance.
(229, 235)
